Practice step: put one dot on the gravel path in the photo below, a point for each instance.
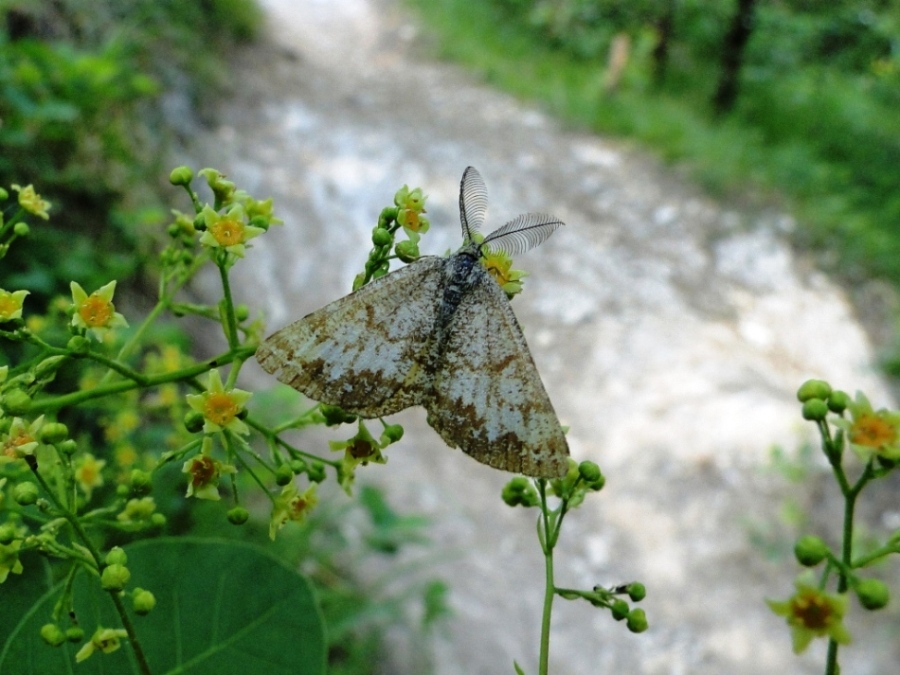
(671, 332)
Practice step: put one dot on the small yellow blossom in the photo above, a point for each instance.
(105, 640)
(96, 312)
(410, 207)
(871, 433)
(291, 505)
(11, 304)
(89, 473)
(228, 231)
(499, 264)
(21, 440)
(205, 473)
(812, 613)
(220, 407)
(31, 201)
(9, 559)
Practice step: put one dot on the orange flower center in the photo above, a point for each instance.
(297, 507)
(227, 232)
(813, 611)
(8, 306)
(220, 409)
(22, 439)
(96, 312)
(872, 431)
(88, 473)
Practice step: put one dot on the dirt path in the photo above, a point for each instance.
(671, 333)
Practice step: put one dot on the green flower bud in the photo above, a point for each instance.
(241, 312)
(114, 577)
(4, 195)
(316, 472)
(589, 471)
(49, 366)
(67, 447)
(174, 230)
(52, 634)
(142, 601)
(283, 475)
(74, 633)
(619, 609)
(297, 465)
(21, 229)
(815, 409)
(200, 222)
(78, 345)
(872, 593)
(407, 251)
(387, 216)
(381, 237)
(637, 591)
(392, 433)
(193, 421)
(637, 621)
(7, 533)
(519, 491)
(157, 519)
(15, 402)
(116, 556)
(54, 432)
(810, 550)
(262, 222)
(238, 515)
(25, 493)
(813, 389)
(141, 482)
(335, 415)
(838, 401)
(181, 175)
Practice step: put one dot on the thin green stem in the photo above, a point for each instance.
(229, 320)
(547, 544)
(109, 388)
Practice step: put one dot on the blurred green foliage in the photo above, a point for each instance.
(81, 90)
(816, 117)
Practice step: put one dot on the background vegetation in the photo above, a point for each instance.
(790, 99)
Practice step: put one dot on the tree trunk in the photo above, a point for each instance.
(733, 56)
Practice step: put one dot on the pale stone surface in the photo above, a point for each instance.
(671, 333)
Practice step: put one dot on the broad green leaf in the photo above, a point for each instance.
(222, 607)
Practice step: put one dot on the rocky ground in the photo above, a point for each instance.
(671, 332)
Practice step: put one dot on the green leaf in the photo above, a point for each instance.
(228, 608)
(519, 670)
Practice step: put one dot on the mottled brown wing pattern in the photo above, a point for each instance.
(488, 398)
(366, 352)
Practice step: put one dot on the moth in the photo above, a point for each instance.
(438, 333)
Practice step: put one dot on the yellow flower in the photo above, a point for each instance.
(228, 231)
(499, 264)
(812, 613)
(871, 433)
(31, 201)
(11, 304)
(21, 440)
(291, 505)
(105, 640)
(96, 312)
(9, 559)
(220, 407)
(410, 207)
(88, 473)
(205, 473)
